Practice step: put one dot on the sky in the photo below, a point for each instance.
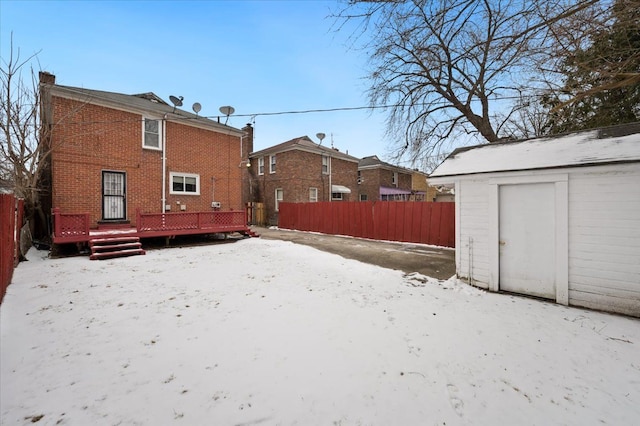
(268, 332)
(256, 56)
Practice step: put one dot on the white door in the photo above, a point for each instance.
(527, 239)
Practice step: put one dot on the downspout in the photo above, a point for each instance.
(330, 187)
(330, 171)
(164, 163)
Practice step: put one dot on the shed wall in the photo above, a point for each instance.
(604, 238)
(473, 244)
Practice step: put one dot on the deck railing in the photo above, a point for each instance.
(70, 227)
(74, 227)
(187, 223)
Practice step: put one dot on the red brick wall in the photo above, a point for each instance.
(89, 139)
(373, 179)
(296, 172)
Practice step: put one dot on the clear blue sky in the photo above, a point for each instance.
(257, 56)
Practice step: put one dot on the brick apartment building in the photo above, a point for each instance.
(114, 154)
(301, 171)
(380, 181)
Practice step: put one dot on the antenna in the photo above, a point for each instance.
(320, 136)
(196, 108)
(227, 111)
(176, 101)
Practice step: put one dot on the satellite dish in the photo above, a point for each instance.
(227, 110)
(176, 101)
(320, 136)
(196, 108)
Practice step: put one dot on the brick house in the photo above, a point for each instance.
(115, 156)
(380, 181)
(301, 171)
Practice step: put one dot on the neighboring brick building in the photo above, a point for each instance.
(380, 181)
(114, 154)
(300, 171)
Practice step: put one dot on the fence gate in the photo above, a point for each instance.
(257, 214)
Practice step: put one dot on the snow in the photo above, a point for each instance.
(572, 150)
(273, 333)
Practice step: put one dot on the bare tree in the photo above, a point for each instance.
(23, 159)
(452, 67)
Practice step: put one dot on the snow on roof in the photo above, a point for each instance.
(579, 149)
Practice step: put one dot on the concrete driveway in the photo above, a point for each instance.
(436, 262)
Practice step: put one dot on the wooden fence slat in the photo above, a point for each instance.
(11, 217)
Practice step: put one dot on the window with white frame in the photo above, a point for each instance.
(337, 196)
(394, 179)
(279, 198)
(363, 197)
(272, 163)
(184, 183)
(151, 134)
(325, 165)
(261, 165)
(313, 195)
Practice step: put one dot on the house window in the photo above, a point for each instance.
(184, 183)
(363, 197)
(325, 165)
(261, 165)
(279, 198)
(313, 195)
(394, 179)
(151, 134)
(272, 163)
(336, 196)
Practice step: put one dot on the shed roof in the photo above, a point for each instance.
(604, 146)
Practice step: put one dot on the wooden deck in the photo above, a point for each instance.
(74, 227)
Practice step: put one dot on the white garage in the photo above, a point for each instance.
(555, 218)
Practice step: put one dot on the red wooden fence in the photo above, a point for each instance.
(415, 222)
(11, 211)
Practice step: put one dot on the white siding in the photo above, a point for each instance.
(474, 225)
(604, 238)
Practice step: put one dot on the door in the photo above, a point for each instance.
(527, 239)
(114, 205)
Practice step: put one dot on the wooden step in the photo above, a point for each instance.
(114, 247)
(118, 253)
(110, 247)
(110, 240)
(249, 233)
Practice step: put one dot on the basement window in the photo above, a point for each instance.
(184, 183)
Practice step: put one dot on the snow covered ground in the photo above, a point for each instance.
(273, 333)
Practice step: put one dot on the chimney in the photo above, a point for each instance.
(46, 77)
(247, 141)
